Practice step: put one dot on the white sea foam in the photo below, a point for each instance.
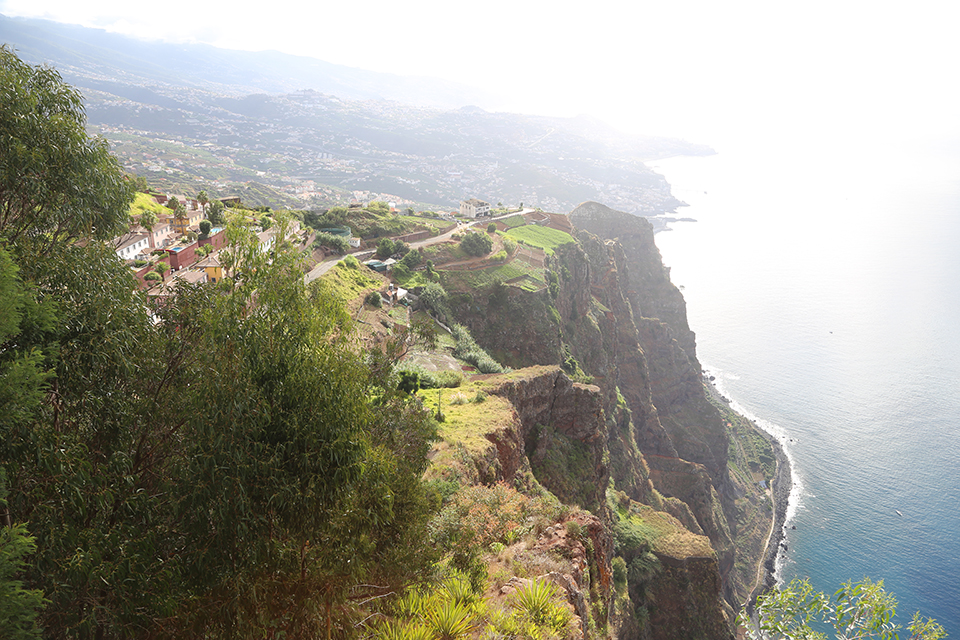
(797, 493)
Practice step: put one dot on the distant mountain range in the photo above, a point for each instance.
(293, 131)
(82, 52)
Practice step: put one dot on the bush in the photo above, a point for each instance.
(152, 275)
(412, 259)
(373, 299)
(499, 256)
(469, 351)
(385, 248)
(350, 262)
(337, 243)
(492, 227)
(476, 244)
(619, 572)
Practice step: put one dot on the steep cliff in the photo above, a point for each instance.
(644, 428)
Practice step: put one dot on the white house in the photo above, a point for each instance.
(474, 208)
(131, 245)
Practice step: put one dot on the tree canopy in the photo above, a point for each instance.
(226, 463)
(477, 244)
(856, 610)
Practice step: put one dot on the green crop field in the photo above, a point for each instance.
(482, 278)
(513, 221)
(540, 237)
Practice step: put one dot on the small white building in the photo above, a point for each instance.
(474, 208)
(131, 245)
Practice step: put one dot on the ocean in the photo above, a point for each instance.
(823, 283)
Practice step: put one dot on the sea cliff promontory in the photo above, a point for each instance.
(640, 440)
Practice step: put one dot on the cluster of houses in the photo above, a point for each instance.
(180, 244)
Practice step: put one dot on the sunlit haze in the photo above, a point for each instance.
(704, 71)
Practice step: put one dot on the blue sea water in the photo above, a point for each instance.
(824, 287)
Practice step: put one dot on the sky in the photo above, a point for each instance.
(706, 71)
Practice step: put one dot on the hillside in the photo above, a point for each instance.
(637, 442)
(516, 441)
(191, 117)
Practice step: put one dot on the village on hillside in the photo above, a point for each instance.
(178, 239)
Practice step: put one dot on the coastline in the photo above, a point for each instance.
(780, 488)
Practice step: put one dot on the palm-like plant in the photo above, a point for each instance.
(450, 621)
(203, 199)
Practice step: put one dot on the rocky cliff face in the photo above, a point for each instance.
(645, 423)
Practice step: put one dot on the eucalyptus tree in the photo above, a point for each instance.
(223, 465)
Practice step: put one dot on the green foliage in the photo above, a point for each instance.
(492, 227)
(373, 299)
(479, 515)
(412, 259)
(378, 206)
(205, 227)
(632, 536)
(469, 351)
(228, 464)
(385, 248)
(350, 262)
(542, 237)
(56, 183)
(539, 602)
(18, 606)
(337, 243)
(440, 379)
(409, 381)
(856, 610)
(499, 256)
(151, 276)
(476, 244)
(619, 572)
(435, 299)
(514, 221)
(215, 213)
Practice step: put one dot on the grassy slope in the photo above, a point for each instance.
(541, 237)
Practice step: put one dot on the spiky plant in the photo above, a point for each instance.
(450, 621)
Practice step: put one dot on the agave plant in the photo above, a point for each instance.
(539, 602)
(402, 631)
(450, 621)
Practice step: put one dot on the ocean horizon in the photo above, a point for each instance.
(823, 284)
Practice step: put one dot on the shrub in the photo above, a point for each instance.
(152, 275)
(373, 299)
(476, 244)
(619, 572)
(492, 227)
(140, 263)
(469, 351)
(385, 248)
(350, 262)
(337, 243)
(499, 256)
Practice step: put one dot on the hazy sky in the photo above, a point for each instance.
(703, 70)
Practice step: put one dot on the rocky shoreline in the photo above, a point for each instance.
(780, 488)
